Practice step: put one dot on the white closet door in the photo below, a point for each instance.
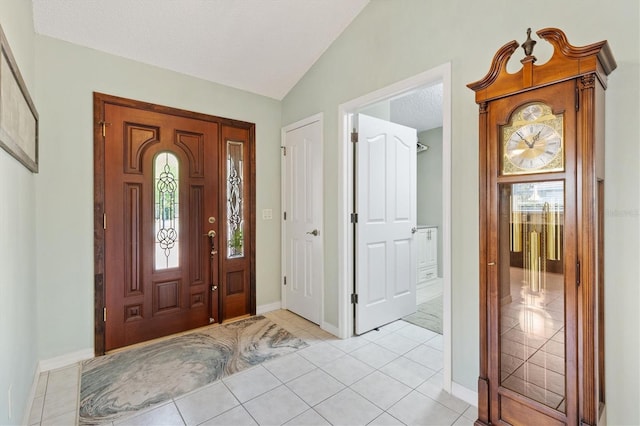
(303, 236)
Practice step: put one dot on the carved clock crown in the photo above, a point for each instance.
(566, 62)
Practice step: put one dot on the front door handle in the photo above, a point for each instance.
(212, 234)
(315, 233)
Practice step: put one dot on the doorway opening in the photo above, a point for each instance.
(371, 102)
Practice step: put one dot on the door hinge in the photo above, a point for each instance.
(284, 150)
(285, 215)
(354, 298)
(104, 221)
(104, 124)
(577, 98)
(354, 136)
(104, 314)
(285, 280)
(578, 273)
(354, 217)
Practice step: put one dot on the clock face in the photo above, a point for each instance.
(533, 146)
(533, 142)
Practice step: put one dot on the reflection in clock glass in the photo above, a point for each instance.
(531, 289)
(532, 112)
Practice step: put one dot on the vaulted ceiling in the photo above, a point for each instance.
(261, 46)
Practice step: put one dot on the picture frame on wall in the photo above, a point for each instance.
(18, 115)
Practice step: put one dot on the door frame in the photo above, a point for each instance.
(99, 101)
(319, 117)
(346, 262)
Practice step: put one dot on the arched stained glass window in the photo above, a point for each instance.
(166, 201)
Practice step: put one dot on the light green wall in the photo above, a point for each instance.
(18, 336)
(393, 40)
(388, 42)
(381, 110)
(67, 75)
(429, 185)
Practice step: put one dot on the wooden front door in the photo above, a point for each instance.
(176, 245)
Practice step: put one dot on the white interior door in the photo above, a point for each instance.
(302, 227)
(386, 207)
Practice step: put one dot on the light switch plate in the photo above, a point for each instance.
(267, 214)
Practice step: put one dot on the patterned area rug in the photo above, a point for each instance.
(113, 386)
(428, 315)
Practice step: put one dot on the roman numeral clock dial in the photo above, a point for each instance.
(532, 142)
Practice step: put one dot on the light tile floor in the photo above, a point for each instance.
(392, 376)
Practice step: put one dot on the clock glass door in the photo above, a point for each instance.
(531, 289)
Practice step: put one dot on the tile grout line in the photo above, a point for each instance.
(184, 422)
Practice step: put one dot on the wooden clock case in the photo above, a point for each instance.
(573, 83)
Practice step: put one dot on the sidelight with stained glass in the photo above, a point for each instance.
(235, 200)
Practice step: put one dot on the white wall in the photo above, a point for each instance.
(67, 75)
(18, 336)
(394, 40)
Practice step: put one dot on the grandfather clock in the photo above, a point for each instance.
(541, 235)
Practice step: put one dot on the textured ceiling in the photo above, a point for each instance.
(420, 109)
(261, 46)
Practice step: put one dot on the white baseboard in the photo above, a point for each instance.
(329, 328)
(262, 309)
(26, 416)
(52, 364)
(465, 394)
(65, 360)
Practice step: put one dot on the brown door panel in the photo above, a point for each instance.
(235, 289)
(147, 298)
